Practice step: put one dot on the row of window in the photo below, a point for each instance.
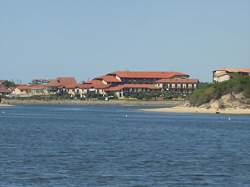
(180, 85)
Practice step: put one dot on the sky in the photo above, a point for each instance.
(88, 38)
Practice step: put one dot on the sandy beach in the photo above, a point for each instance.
(182, 109)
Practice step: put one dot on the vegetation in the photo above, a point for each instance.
(150, 95)
(208, 92)
(9, 84)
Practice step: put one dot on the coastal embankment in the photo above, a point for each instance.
(4, 105)
(128, 102)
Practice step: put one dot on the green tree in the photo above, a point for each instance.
(9, 84)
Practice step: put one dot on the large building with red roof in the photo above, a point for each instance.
(125, 83)
(145, 77)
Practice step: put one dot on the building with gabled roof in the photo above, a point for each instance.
(27, 90)
(146, 76)
(123, 83)
(225, 74)
(110, 80)
(93, 87)
(62, 85)
(63, 82)
(4, 91)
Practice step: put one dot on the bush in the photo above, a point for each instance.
(146, 95)
(246, 92)
(207, 92)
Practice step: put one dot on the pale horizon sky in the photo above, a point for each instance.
(88, 38)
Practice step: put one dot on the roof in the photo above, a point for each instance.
(127, 86)
(147, 74)
(31, 87)
(235, 70)
(4, 90)
(65, 82)
(37, 87)
(2, 81)
(178, 81)
(98, 84)
(108, 78)
(23, 87)
(85, 86)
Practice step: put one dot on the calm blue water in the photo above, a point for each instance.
(113, 146)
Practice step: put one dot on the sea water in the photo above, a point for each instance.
(113, 146)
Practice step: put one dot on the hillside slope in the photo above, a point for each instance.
(234, 93)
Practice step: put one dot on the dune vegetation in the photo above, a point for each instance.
(214, 91)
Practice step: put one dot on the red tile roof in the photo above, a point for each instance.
(4, 90)
(97, 84)
(235, 70)
(63, 82)
(108, 78)
(127, 86)
(23, 87)
(53, 83)
(31, 87)
(147, 74)
(85, 86)
(38, 87)
(188, 81)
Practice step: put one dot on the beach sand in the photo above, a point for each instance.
(182, 109)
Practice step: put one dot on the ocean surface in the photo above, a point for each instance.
(121, 146)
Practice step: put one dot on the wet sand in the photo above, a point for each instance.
(180, 109)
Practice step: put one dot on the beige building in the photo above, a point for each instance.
(30, 90)
(225, 74)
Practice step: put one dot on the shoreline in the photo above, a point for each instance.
(196, 110)
(10, 102)
(5, 105)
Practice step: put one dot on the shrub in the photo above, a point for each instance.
(207, 92)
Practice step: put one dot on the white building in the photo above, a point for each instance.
(221, 75)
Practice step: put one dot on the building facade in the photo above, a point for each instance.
(225, 74)
(178, 86)
(128, 90)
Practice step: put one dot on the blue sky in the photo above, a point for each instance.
(86, 38)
